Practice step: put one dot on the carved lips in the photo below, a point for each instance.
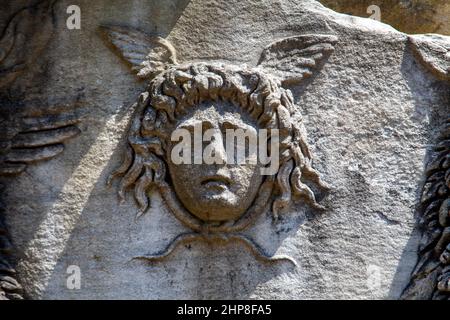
(216, 182)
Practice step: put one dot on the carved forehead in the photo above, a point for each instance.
(217, 114)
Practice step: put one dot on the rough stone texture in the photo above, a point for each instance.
(410, 16)
(431, 276)
(370, 113)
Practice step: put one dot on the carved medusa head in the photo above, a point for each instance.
(181, 93)
(219, 197)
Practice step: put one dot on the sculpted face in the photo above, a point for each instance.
(210, 197)
(214, 192)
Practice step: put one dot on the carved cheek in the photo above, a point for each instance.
(244, 176)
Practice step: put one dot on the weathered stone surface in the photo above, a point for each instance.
(430, 278)
(10, 289)
(371, 113)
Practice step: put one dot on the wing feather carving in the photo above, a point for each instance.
(30, 139)
(44, 138)
(291, 59)
(28, 133)
(296, 58)
(146, 54)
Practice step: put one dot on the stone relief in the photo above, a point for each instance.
(218, 202)
(10, 289)
(33, 133)
(431, 276)
(25, 36)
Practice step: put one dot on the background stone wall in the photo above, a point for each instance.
(410, 16)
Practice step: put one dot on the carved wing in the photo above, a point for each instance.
(30, 136)
(146, 54)
(296, 58)
(35, 137)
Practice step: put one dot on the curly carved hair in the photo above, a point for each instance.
(180, 87)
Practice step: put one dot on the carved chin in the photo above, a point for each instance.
(218, 206)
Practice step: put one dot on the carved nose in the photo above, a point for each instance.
(219, 149)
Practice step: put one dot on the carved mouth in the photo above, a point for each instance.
(217, 182)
